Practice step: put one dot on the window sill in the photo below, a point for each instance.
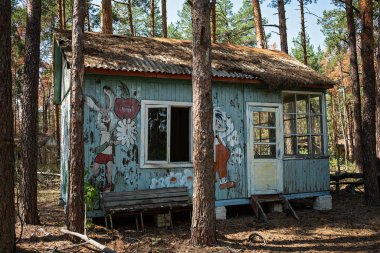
(166, 165)
(305, 157)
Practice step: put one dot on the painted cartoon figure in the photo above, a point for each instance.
(117, 127)
(106, 121)
(222, 128)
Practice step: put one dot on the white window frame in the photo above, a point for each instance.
(145, 105)
(324, 125)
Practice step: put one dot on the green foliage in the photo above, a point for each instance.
(235, 28)
(334, 27)
(141, 18)
(314, 57)
(91, 195)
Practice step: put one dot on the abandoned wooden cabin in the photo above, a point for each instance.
(269, 118)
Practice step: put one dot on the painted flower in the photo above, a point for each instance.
(173, 180)
(187, 179)
(126, 132)
(233, 139)
(157, 183)
(237, 155)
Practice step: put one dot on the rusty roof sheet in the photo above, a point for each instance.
(171, 56)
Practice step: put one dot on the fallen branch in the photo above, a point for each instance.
(90, 241)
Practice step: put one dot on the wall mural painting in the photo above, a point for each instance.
(115, 120)
(178, 179)
(226, 147)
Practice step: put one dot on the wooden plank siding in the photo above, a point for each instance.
(306, 175)
(299, 175)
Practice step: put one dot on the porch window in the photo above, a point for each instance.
(303, 124)
(166, 134)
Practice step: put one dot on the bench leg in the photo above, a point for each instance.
(111, 221)
(171, 219)
(142, 222)
(105, 220)
(137, 224)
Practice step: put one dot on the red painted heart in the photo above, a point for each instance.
(126, 108)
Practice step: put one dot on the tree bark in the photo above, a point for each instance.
(29, 116)
(203, 219)
(88, 3)
(282, 25)
(260, 35)
(303, 31)
(164, 19)
(76, 209)
(350, 142)
(60, 18)
(213, 23)
(7, 163)
(378, 89)
(355, 84)
(371, 186)
(152, 32)
(130, 17)
(64, 13)
(107, 16)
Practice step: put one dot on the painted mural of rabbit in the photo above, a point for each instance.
(106, 122)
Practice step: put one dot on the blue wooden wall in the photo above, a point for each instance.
(299, 175)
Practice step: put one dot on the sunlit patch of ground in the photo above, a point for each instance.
(350, 226)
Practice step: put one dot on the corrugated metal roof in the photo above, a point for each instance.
(170, 56)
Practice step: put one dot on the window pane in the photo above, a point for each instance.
(302, 123)
(289, 103)
(302, 103)
(265, 135)
(315, 103)
(316, 145)
(180, 135)
(157, 137)
(264, 151)
(303, 145)
(316, 124)
(290, 144)
(289, 124)
(264, 119)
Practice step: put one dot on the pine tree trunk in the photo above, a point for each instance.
(355, 84)
(7, 163)
(60, 18)
(350, 141)
(44, 112)
(260, 36)
(29, 116)
(303, 31)
(378, 90)
(213, 23)
(164, 19)
(282, 25)
(152, 32)
(334, 124)
(371, 186)
(130, 17)
(76, 209)
(88, 3)
(203, 219)
(107, 16)
(64, 13)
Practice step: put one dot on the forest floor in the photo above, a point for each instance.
(350, 226)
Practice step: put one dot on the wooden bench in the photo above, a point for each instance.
(144, 201)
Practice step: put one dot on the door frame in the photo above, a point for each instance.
(279, 140)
